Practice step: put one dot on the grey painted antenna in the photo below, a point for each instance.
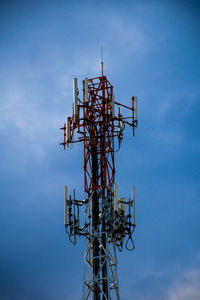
(75, 96)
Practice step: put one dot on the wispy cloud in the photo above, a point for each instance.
(186, 287)
(182, 284)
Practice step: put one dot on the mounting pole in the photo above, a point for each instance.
(95, 222)
(103, 178)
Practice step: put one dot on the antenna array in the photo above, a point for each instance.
(109, 222)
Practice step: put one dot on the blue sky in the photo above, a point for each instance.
(151, 49)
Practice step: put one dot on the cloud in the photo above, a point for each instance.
(42, 50)
(30, 104)
(167, 285)
(187, 287)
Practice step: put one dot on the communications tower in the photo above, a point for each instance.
(107, 221)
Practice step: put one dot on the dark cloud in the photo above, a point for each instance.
(150, 52)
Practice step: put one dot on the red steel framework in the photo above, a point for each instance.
(100, 128)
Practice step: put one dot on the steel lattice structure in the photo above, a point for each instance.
(106, 225)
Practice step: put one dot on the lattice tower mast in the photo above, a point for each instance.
(106, 225)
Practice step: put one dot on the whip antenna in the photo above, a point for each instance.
(102, 60)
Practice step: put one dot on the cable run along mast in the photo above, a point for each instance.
(109, 221)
